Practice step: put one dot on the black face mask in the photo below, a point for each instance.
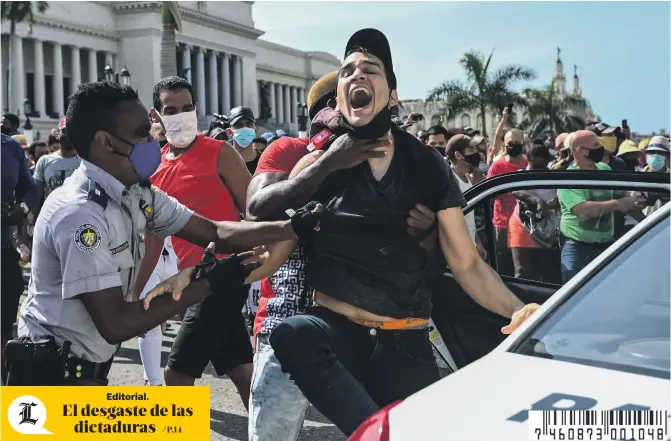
(377, 128)
(596, 155)
(514, 150)
(473, 159)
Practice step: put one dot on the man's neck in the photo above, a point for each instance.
(460, 170)
(248, 154)
(587, 165)
(174, 152)
(67, 154)
(379, 166)
(606, 158)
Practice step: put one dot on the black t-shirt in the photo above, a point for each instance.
(251, 165)
(387, 276)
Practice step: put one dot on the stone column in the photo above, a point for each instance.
(280, 103)
(17, 89)
(57, 87)
(186, 62)
(287, 105)
(76, 68)
(237, 81)
(200, 80)
(226, 83)
(214, 84)
(273, 101)
(40, 104)
(93, 65)
(292, 104)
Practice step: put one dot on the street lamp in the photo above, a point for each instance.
(28, 127)
(122, 78)
(302, 112)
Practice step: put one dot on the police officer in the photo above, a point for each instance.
(87, 247)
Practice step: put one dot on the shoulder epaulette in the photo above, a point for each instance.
(97, 194)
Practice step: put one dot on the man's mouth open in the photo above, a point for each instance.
(360, 99)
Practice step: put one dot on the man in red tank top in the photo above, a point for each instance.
(211, 178)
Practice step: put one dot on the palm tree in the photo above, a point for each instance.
(17, 12)
(171, 22)
(483, 90)
(547, 111)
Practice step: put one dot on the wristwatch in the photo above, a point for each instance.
(25, 208)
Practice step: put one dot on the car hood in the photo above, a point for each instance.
(477, 402)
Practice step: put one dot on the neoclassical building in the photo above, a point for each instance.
(218, 50)
(435, 114)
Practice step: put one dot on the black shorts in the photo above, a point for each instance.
(12, 288)
(212, 330)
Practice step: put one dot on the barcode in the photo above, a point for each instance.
(640, 425)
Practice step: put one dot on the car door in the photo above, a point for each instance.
(469, 330)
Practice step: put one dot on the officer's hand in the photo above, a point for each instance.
(348, 151)
(305, 221)
(175, 285)
(520, 317)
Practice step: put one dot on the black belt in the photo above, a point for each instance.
(76, 368)
(598, 245)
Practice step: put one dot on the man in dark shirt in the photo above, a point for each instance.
(242, 133)
(366, 344)
(18, 197)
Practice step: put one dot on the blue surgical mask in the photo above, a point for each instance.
(145, 158)
(655, 162)
(244, 137)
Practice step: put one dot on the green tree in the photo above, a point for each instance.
(547, 111)
(483, 90)
(171, 22)
(18, 12)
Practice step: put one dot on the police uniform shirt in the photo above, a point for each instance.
(88, 238)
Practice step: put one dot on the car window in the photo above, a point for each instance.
(549, 235)
(619, 319)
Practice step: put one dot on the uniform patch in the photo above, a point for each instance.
(120, 248)
(88, 238)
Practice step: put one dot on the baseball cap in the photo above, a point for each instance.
(584, 138)
(658, 144)
(375, 43)
(280, 133)
(559, 141)
(457, 144)
(241, 112)
(477, 140)
(627, 146)
(268, 136)
(321, 92)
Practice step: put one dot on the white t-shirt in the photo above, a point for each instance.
(470, 217)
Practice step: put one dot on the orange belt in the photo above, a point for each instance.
(394, 325)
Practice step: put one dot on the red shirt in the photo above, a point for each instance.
(281, 156)
(505, 204)
(193, 179)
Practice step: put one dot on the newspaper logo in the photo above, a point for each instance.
(27, 415)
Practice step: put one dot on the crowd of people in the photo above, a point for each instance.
(329, 242)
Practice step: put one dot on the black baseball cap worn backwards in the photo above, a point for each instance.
(241, 112)
(375, 43)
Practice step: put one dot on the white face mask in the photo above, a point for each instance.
(180, 129)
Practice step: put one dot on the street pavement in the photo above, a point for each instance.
(228, 417)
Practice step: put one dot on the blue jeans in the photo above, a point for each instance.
(348, 371)
(577, 255)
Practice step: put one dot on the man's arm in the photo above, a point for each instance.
(477, 278)
(497, 145)
(598, 209)
(117, 320)
(153, 246)
(234, 173)
(25, 186)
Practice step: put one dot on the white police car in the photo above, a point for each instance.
(599, 342)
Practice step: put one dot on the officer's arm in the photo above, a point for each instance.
(90, 272)
(172, 218)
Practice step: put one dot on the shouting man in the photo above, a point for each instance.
(365, 345)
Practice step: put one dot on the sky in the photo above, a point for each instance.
(622, 49)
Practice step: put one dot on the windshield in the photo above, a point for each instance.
(619, 319)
